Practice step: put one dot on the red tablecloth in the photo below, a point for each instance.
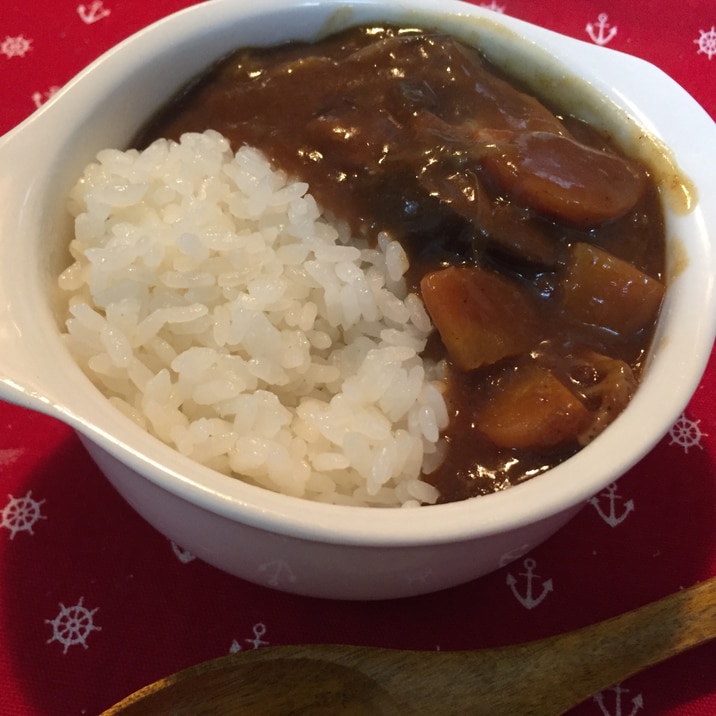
(94, 603)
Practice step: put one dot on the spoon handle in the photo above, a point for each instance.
(557, 673)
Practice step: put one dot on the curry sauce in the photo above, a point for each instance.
(537, 246)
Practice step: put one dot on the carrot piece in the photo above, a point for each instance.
(603, 290)
(531, 409)
(561, 177)
(480, 315)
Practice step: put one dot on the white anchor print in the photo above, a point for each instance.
(610, 516)
(527, 598)
(598, 31)
(637, 702)
(278, 571)
(513, 554)
(95, 12)
(39, 98)
(259, 632)
(422, 578)
(493, 6)
(183, 555)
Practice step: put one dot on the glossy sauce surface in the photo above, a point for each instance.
(537, 247)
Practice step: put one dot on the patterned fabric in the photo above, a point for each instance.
(94, 603)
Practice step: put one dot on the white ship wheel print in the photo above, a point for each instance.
(72, 625)
(707, 42)
(20, 514)
(17, 46)
(686, 433)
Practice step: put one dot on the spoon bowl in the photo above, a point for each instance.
(280, 541)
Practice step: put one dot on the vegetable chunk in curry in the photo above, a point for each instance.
(536, 245)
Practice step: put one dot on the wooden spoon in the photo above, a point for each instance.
(539, 678)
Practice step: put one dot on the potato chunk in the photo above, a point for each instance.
(603, 290)
(531, 409)
(481, 316)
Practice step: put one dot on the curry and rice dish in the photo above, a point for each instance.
(369, 270)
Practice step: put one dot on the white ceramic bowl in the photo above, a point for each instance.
(283, 542)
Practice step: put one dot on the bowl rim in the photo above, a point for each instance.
(627, 84)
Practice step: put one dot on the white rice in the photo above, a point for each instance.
(215, 305)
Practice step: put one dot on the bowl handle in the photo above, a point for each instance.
(33, 362)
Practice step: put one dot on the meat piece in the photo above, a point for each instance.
(452, 177)
(505, 228)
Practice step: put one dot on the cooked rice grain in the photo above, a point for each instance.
(215, 305)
